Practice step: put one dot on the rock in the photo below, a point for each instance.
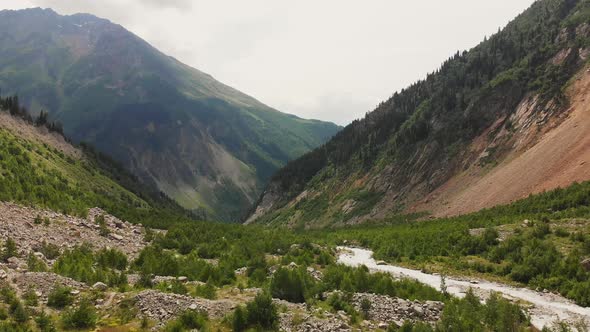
(383, 326)
(3, 275)
(116, 236)
(182, 279)
(192, 307)
(13, 263)
(586, 264)
(74, 292)
(418, 310)
(100, 286)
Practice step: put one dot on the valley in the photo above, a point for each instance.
(140, 194)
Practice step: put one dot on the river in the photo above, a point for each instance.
(544, 309)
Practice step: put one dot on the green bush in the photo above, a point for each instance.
(293, 285)
(262, 313)
(189, 320)
(82, 317)
(82, 264)
(45, 323)
(35, 264)
(49, 250)
(207, 290)
(9, 249)
(30, 298)
(239, 319)
(19, 313)
(60, 297)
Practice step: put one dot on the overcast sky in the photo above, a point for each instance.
(325, 59)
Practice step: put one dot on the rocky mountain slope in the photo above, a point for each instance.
(492, 125)
(208, 146)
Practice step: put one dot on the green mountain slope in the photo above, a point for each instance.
(40, 168)
(208, 146)
(462, 120)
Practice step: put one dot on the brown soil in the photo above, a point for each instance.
(560, 157)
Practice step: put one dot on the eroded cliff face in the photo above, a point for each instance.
(529, 143)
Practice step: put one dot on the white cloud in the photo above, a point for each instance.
(329, 59)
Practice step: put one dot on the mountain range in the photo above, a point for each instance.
(208, 146)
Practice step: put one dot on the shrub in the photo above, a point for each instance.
(365, 307)
(7, 294)
(34, 264)
(239, 322)
(19, 313)
(82, 317)
(49, 250)
(189, 320)
(207, 290)
(30, 298)
(60, 297)
(262, 312)
(44, 322)
(9, 249)
(291, 285)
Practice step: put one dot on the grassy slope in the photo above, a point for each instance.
(38, 174)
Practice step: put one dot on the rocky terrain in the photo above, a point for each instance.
(162, 307)
(389, 310)
(18, 222)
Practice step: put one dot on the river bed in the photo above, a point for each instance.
(545, 308)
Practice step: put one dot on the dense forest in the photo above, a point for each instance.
(435, 118)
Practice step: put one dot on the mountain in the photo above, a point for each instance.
(492, 125)
(206, 145)
(40, 168)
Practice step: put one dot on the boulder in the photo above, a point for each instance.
(100, 286)
(13, 263)
(586, 264)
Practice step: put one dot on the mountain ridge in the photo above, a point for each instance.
(425, 135)
(205, 144)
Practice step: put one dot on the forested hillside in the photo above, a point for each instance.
(466, 117)
(206, 145)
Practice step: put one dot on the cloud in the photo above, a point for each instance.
(176, 4)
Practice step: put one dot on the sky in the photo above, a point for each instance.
(332, 60)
